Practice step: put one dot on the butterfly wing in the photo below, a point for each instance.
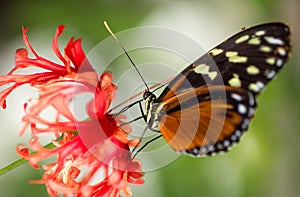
(191, 119)
(208, 124)
(248, 60)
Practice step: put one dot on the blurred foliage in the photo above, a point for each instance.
(265, 163)
(86, 16)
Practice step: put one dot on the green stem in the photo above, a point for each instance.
(12, 166)
(22, 161)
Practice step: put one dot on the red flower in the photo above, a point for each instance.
(92, 156)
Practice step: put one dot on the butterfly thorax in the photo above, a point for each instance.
(151, 106)
(149, 98)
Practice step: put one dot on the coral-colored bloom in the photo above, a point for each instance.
(92, 157)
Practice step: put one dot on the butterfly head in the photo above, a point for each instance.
(149, 96)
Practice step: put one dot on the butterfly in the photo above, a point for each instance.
(207, 107)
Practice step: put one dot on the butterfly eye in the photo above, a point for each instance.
(149, 96)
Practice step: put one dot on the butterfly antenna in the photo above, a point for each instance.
(119, 43)
(161, 86)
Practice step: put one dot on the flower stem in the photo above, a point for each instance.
(12, 166)
(21, 161)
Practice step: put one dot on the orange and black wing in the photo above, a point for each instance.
(208, 124)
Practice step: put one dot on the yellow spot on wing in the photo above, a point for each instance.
(238, 59)
(212, 75)
(234, 58)
(235, 81)
(231, 53)
(256, 87)
(260, 33)
(265, 48)
(204, 69)
(254, 41)
(252, 70)
(270, 60)
(242, 39)
(201, 69)
(216, 51)
(253, 87)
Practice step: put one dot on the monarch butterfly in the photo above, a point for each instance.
(205, 109)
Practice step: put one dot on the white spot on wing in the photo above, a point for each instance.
(233, 138)
(220, 146)
(270, 74)
(238, 133)
(245, 124)
(203, 150)
(211, 148)
(256, 87)
(195, 151)
(251, 99)
(242, 108)
(260, 85)
(226, 143)
(236, 96)
(279, 62)
(281, 51)
(272, 40)
(251, 112)
(286, 29)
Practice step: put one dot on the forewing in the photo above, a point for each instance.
(248, 60)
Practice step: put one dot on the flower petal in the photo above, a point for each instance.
(56, 50)
(26, 41)
(74, 52)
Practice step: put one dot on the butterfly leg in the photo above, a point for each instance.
(132, 120)
(128, 107)
(142, 111)
(144, 146)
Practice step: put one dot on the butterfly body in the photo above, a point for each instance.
(209, 105)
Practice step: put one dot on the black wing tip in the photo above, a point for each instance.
(272, 23)
(284, 25)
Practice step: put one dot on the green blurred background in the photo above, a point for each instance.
(265, 163)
